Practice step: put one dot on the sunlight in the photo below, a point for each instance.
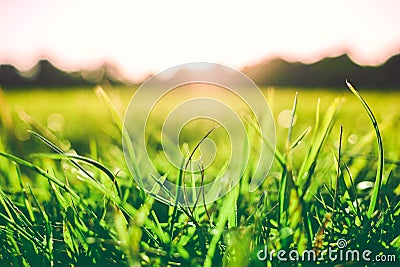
(142, 37)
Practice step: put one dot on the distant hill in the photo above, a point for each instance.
(328, 72)
(46, 75)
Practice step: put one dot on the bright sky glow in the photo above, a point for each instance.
(140, 37)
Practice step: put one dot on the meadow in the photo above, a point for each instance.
(68, 199)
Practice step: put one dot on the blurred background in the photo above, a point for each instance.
(285, 43)
(53, 53)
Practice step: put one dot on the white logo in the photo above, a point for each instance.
(194, 130)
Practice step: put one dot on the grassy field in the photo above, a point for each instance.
(67, 198)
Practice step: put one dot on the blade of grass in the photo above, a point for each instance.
(287, 171)
(27, 203)
(300, 138)
(126, 139)
(101, 94)
(320, 135)
(90, 161)
(379, 171)
(58, 150)
(41, 172)
(189, 161)
(279, 157)
(226, 211)
(338, 174)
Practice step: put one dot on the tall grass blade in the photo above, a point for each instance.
(102, 95)
(286, 173)
(380, 168)
(320, 136)
(90, 161)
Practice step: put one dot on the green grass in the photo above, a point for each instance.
(67, 198)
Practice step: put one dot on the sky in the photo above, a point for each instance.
(142, 37)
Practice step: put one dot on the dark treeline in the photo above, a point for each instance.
(46, 75)
(326, 73)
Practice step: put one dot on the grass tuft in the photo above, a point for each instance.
(78, 204)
